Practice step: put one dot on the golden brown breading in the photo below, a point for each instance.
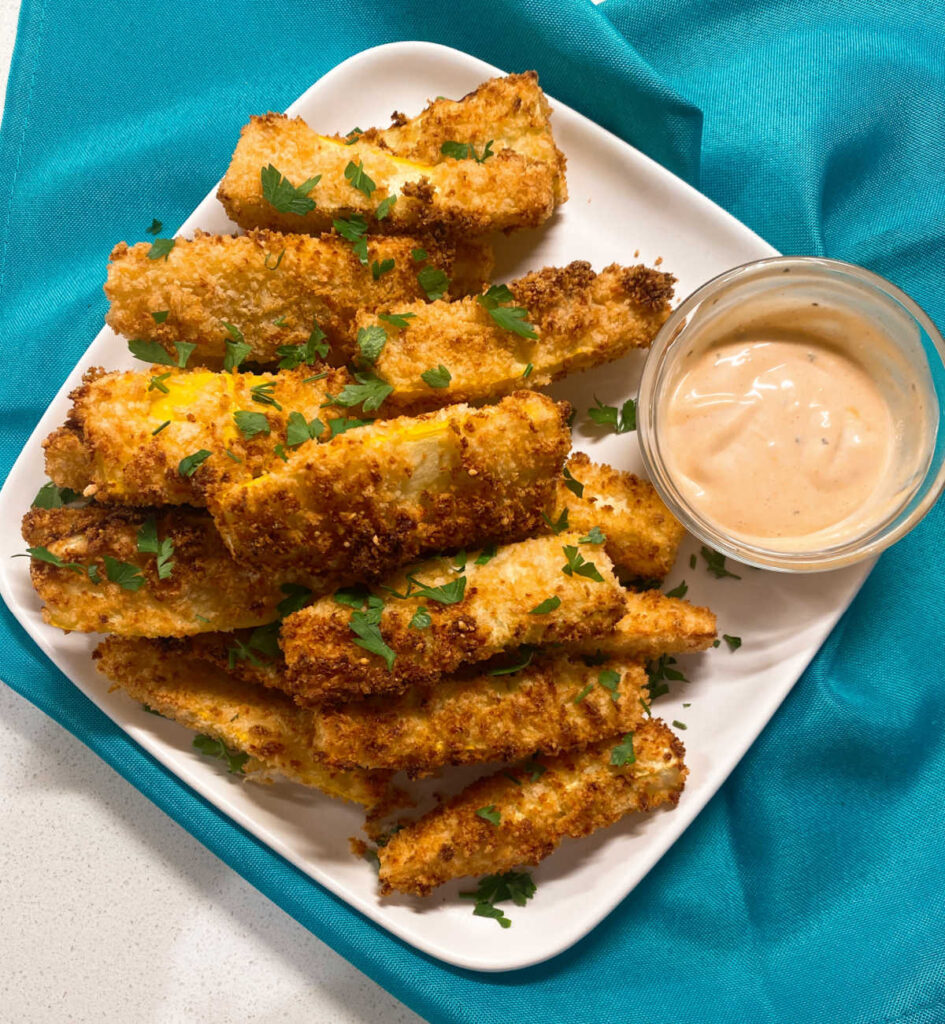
(581, 319)
(207, 588)
(654, 624)
(496, 614)
(643, 538)
(266, 725)
(378, 497)
(518, 185)
(577, 794)
(128, 435)
(273, 288)
(556, 703)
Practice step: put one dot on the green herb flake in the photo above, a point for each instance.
(609, 680)
(279, 452)
(368, 631)
(509, 318)
(584, 692)
(343, 424)
(419, 255)
(594, 536)
(51, 496)
(251, 424)
(210, 747)
(577, 565)
(421, 619)
(285, 197)
(398, 320)
(150, 352)
(296, 597)
(433, 281)
(161, 248)
(379, 269)
(371, 342)
(734, 642)
(42, 554)
(299, 431)
(490, 814)
(620, 421)
(232, 455)
(693, 560)
(574, 486)
(512, 886)
(263, 394)
(525, 653)
(149, 544)
(126, 575)
(559, 525)
(369, 392)
(527, 372)
(546, 606)
(623, 754)
(679, 725)
(466, 151)
(486, 555)
(658, 672)
(151, 711)
(155, 228)
(160, 315)
(678, 591)
(385, 206)
(449, 593)
(292, 356)
(715, 564)
(437, 378)
(275, 265)
(357, 177)
(354, 230)
(188, 465)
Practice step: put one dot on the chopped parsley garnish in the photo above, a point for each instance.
(371, 342)
(421, 619)
(609, 680)
(623, 754)
(369, 392)
(279, 451)
(161, 248)
(157, 383)
(534, 767)
(354, 230)
(658, 671)
(151, 711)
(679, 591)
(419, 255)
(548, 605)
(155, 228)
(587, 689)
(579, 566)
(385, 206)
(295, 355)
(509, 318)
(285, 197)
(433, 281)
(296, 598)
(574, 486)
(527, 371)
(149, 544)
(679, 725)
(692, 561)
(153, 352)
(398, 320)
(298, 431)
(232, 455)
(265, 639)
(352, 137)
(466, 151)
(51, 496)
(240, 652)
(516, 886)
(734, 642)
(558, 526)
(490, 814)
(620, 421)
(262, 393)
(188, 465)
(449, 593)
(366, 627)
(594, 536)
(356, 175)
(525, 653)
(342, 423)
(645, 706)
(715, 564)
(126, 575)
(437, 378)
(210, 747)
(251, 424)
(486, 555)
(275, 265)
(459, 562)
(379, 269)
(45, 555)
(160, 315)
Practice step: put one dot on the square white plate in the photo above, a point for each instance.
(621, 202)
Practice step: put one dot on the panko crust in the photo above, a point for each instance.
(579, 793)
(324, 663)
(274, 288)
(261, 723)
(382, 495)
(518, 186)
(581, 319)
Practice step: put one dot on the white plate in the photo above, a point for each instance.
(621, 202)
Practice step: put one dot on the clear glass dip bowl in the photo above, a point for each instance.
(918, 368)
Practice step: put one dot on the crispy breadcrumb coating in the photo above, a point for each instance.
(207, 589)
(556, 703)
(273, 288)
(517, 185)
(578, 793)
(379, 496)
(580, 319)
(643, 538)
(496, 614)
(126, 436)
(266, 725)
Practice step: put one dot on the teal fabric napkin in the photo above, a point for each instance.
(811, 887)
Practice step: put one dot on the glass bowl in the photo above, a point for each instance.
(917, 368)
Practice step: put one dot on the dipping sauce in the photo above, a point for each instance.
(778, 428)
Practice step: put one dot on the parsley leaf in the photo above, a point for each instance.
(584, 692)
(149, 544)
(514, 886)
(210, 747)
(262, 393)
(509, 318)
(398, 320)
(486, 555)
(419, 255)
(679, 725)
(385, 206)
(356, 175)
(161, 248)
(534, 768)
(160, 315)
(295, 355)
(490, 911)
(734, 642)
(342, 424)
(433, 281)
(579, 566)
(610, 681)
(298, 431)
(45, 555)
(527, 372)
(421, 619)
(188, 465)
(155, 227)
(285, 197)
(466, 151)
(126, 575)
(574, 486)
(51, 496)
(660, 670)
(620, 421)
(150, 352)
(679, 591)
(438, 378)
(693, 561)
(236, 350)
(251, 424)
(526, 654)
(594, 536)
(546, 606)
(623, 754)
(354, 230)
(715, 564)
(265, 639)
(371, 342)
(490, 814)
(297, 597)
(379, 269)
(368, 631)
(449, 593)
(369, 392)
(557, 527)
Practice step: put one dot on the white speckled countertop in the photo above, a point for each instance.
(112, 912)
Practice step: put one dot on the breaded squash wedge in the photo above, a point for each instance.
(469, 190)
(275, 289)
(521, 595)
(274, 732)
(378, 497)
(575, 319)
(576, 794)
